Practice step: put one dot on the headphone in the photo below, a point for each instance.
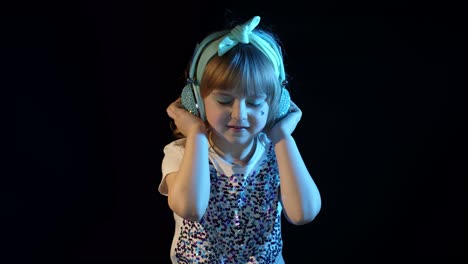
(191, 97)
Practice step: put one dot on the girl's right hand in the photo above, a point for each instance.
(185, 121)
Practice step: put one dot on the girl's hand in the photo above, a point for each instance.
(185, 121)
(286, 126)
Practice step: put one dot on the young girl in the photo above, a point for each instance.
(236, 167)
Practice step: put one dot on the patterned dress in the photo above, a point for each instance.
(242, 223)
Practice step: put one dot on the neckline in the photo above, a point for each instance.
(233, 162)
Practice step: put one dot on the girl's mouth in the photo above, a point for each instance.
(237, 128)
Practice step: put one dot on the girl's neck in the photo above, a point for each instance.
(235, 154)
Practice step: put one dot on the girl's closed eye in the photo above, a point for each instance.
(228, 99)
(224, 100)
(255, 102)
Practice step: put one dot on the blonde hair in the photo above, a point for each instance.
(244, 68)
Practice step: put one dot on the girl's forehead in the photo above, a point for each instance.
(239, 92)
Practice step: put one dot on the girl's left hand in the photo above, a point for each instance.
(185, 121)
(286, 126)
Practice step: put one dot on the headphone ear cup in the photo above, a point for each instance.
(188, 99)
(284, 103)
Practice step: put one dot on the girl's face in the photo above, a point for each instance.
(234, 116)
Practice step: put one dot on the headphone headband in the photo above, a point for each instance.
(199, 49)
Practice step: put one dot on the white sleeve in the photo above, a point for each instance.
(173, 153)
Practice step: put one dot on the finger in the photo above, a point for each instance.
(171, 109)
(178, 103)
(294, 106)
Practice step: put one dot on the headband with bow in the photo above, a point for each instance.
(240, 34)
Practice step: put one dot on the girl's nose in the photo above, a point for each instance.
(239, 110)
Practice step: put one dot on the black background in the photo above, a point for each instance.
(380, 85)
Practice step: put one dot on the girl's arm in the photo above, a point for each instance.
(299, 194)
(189, 188)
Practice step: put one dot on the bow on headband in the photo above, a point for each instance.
(239, 34)
(242, 34)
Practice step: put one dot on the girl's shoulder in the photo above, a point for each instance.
(176, 145)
